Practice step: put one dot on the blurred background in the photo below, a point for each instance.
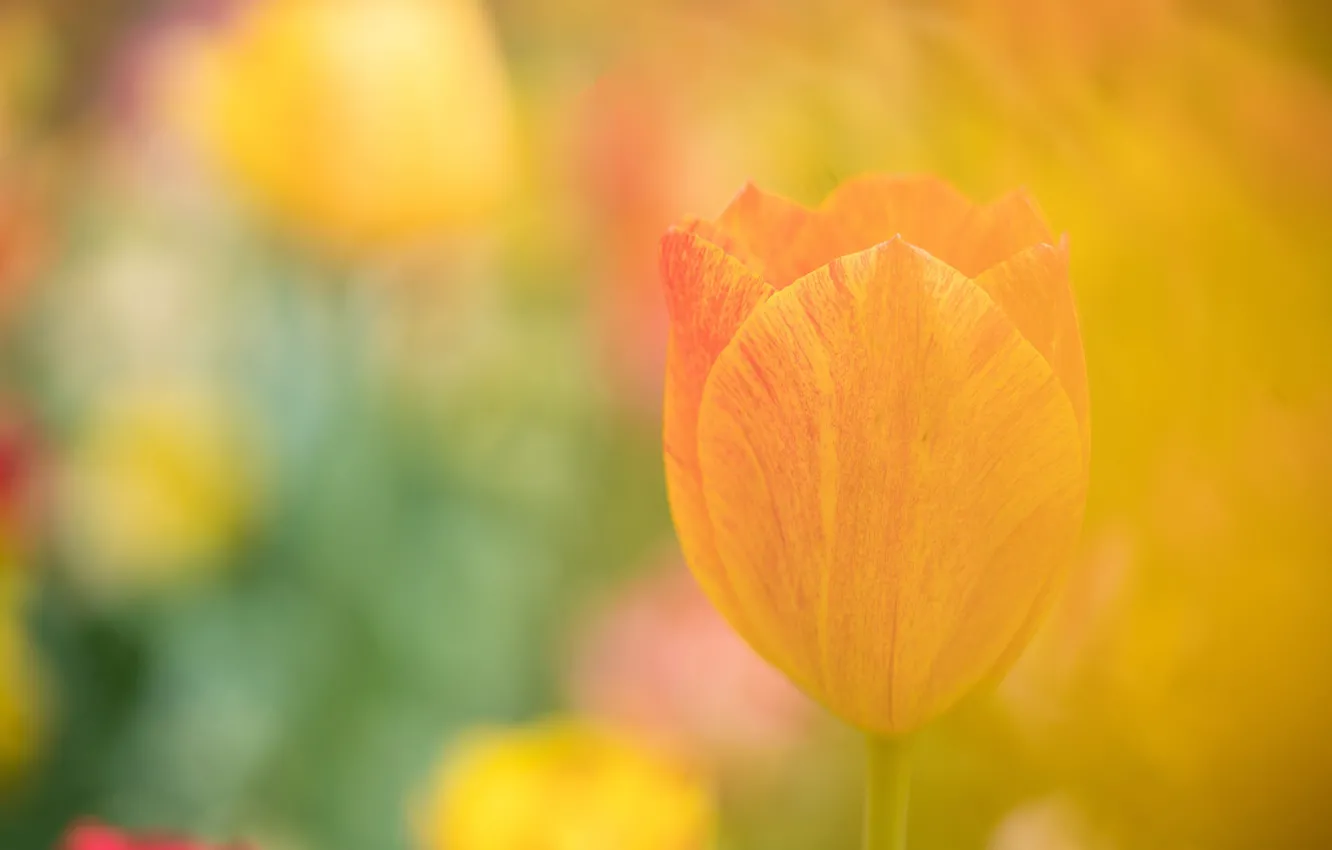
(331, 503)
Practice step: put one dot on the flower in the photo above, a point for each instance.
(365, 122)
(876, 451)
(560, 786)
(660, 661)
(94, 836)
(158, 488)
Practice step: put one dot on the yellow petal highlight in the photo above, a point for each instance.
(893, 474)
(561, 785)
(708, 295)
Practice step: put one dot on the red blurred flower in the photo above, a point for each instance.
(94, 836)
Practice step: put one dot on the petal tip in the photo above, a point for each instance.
(1022, 201)
(749, 193)
(899, 245)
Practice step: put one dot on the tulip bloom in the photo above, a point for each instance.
(367, 123)
(876, 435)
(159, 488)
(559, 785)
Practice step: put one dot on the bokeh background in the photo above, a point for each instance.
(331, 502)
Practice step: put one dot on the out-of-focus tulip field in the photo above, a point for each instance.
(332, 337)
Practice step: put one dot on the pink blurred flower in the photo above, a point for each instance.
(662, 662)
(95, 836)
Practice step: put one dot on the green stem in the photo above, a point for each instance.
(887, 786)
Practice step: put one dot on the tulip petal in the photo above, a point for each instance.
(781, 240)
(995, 232)
(930, 214)
(763, 230)
(1033, 290)
(892, 472)
(708, 295)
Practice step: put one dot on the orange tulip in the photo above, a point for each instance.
(876, 435)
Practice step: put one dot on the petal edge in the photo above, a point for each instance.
(709, 294)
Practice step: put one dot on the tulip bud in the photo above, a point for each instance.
(876, 435)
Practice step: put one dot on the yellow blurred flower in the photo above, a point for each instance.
(563, 785)
(364, 122)
(158, 487)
